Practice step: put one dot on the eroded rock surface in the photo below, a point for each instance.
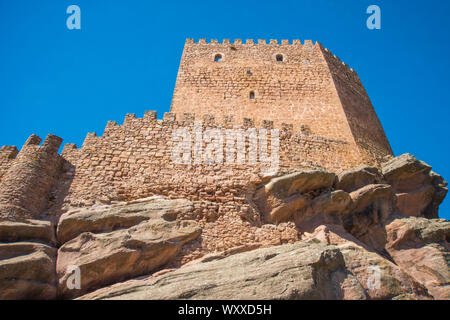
(366, 264)
(358, 177)
(27, 259)
(38, 230)
(124, 215)
(282, 196)
(145, 236)
(305, 270)
(419, 190)
(420, 247)
(27, 271)
(361, 234)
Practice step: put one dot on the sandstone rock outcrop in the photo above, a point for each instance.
(118, 255)
(362, 261)
(130, 240)
(283, 196)
(27, 271)
(421, 248)
(358, 177)
(27, 259)
(419, 190)
(109, 218)
(38, 230)
(305, 270)
(361, 234)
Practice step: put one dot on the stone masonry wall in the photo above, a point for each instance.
(133, 161)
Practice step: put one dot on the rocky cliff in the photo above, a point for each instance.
(362, 234)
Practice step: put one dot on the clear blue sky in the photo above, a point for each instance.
(126, 55)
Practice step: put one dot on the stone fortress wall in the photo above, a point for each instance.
(134, 160)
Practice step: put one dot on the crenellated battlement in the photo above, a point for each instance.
(186, 118)
(9, 152)
(32, 145)
(29, 177)
(149, 121)
(339, 66)
(271, 42)
(50, 145)
(295, 44)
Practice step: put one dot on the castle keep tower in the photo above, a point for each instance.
(301, 84)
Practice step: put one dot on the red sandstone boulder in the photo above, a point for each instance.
(304, 270)
(415, 202)
(283, 196)
(299, 183)
(105, 258)
(27, 271)
(366, 264)
(27, 230)
(286, 208)
(119, 216)
(371, 207)
(419, 190)
(111, 243)
(311, 270)
(420, 248)
(356, 178)
(328, 208)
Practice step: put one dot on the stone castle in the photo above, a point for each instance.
(326, 124)
(324, 115)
